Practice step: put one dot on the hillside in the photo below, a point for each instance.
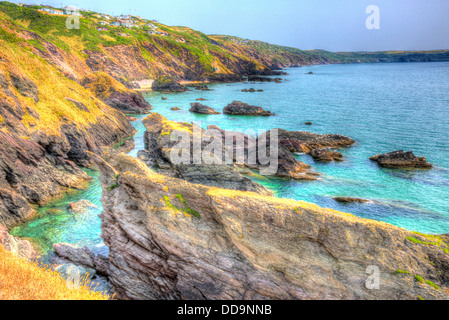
(142, 49)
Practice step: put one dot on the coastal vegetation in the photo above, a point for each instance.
(21, 279)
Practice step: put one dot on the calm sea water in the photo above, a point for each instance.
(383, 107)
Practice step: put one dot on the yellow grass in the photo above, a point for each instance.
(23, 280)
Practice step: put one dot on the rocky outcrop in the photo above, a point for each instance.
(160, 146)
(400, 159)
(241, 108)
(202, 109)
(167, 84)
(303, 141)
(19, 247)
(170, 239)
(82, 257)
(42, 148)
(115, 94)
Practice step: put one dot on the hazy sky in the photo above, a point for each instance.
(335, 25)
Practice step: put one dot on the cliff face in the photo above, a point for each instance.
(170, 239)
(47, 123)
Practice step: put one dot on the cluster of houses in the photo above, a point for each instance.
(67, 10)
(126, 21)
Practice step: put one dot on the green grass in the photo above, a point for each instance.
(186, 208)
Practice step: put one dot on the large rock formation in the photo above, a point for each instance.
(314, 144)
(224, 172)
(400, 159)
(241, 108)
(115, 94)
(45, 131)
(160, 146)
(170, 239)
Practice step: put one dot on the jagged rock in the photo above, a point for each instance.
(401, 159)
(115, 94)
(167, 84)
(202, 109)
(14, 208)
(241, 108)
(202, 87)
(159, 146)
(302, 141)
(128, 102)
(252, 90)
(78, 104)
(325, 155)
(351, 200)
(25, 86)
(82, 206)
(82, 257)
(170, 239)
(19, 247)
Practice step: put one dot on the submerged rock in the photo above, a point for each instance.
(351, 200)
(82, 206)
(202, 109)
(241, 108)
(175, 108)
(170, 239)
(401, 159)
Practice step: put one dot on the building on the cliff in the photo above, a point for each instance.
(103, 23)
(101, 29)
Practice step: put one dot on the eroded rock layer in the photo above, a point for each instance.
(170, 239)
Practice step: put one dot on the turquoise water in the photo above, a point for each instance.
(383, 107)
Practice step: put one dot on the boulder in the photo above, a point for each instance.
(401, 160)
(197, 107)
(325, 155)
(75, 273)
(241, 108)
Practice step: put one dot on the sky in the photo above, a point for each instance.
(334, 25)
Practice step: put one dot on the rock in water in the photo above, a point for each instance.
(197, 107)
(167, 84)
(350, 200)
(400, 159)
(170, 239)
(82, 206)
(241, 108)
(326, 155)
(175, 109)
